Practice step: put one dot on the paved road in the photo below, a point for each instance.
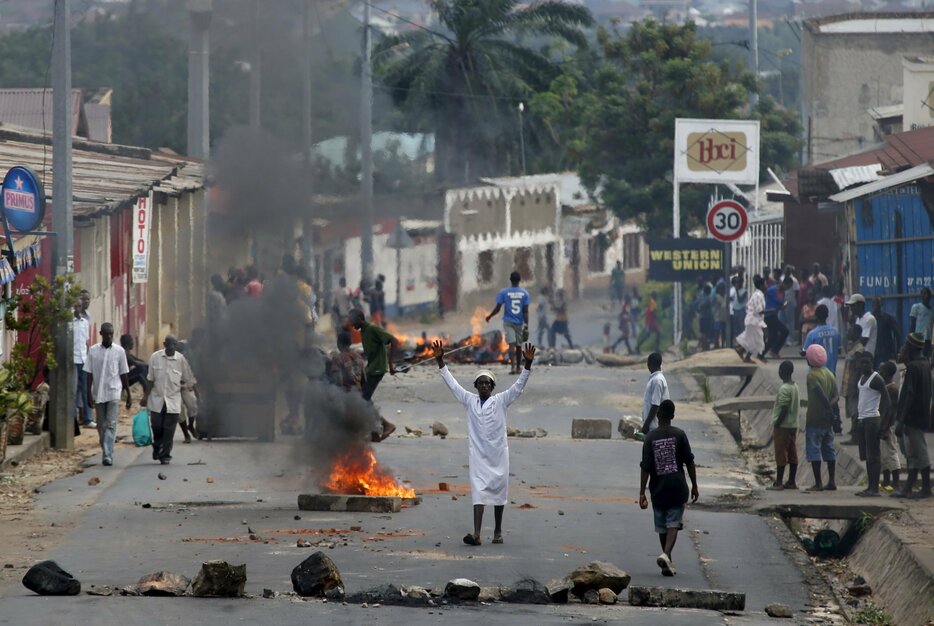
(114, 540)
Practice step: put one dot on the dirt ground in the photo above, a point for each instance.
(23, 536)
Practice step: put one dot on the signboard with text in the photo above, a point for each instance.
(23, 199)
(727, 220)
(142, 219)
(716, 151)
(683, 260)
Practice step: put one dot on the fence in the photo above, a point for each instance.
(762, 245)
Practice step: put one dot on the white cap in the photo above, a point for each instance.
(856, 297)
(486, 373)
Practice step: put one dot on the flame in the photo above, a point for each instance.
(477, 324)
(358, 472)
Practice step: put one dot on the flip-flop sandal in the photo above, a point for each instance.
(470, 540)
(498, 539)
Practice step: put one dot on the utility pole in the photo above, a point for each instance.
(199, 56)
(256, 69)
(366, 150)
(62, 379)
(754, 47)
(307, 183)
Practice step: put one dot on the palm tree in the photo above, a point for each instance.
(464, 81)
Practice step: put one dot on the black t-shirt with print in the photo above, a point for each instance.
(664, 453)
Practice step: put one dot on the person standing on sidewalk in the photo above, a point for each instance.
(656, 392)
(515, 318)
(865, 321)
(107, 371)
(82, 333)
(825, 335)
(739, 295)
(873, 403)
(889, 455)
(914, 405)
(889, 334)
(922, 319)
(665, 453)
(822, 395)
(169, 372)
(785, 428)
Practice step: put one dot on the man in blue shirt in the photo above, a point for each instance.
(825, 335)
(515, 318)
(774, 303)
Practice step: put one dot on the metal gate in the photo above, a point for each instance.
(894, 249)
(762, 245)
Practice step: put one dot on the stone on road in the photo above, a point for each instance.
(159, 584)
(710, 599)
(316, 575)
(778, 610)
(219, 579)
(597, 575)
(591, 429)
(462, 589)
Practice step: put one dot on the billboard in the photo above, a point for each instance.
(717, 151)
(142, 219)
(683, 260)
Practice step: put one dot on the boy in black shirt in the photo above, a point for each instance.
(665, 452)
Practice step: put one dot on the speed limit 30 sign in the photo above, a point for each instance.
(727, 220)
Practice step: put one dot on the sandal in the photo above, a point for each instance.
(497, 539)
(470, 540)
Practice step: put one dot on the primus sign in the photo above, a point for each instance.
(716, 151)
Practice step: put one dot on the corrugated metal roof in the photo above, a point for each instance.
(846, 177)
(105, 177)
(32, 108)
(882, 113)
(895, 180)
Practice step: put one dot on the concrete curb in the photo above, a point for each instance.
(900, 572)
(32, 446)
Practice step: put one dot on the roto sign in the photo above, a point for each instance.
(142, 218)
(716, 151)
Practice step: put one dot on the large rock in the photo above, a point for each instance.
(628, 425)
(591, 596)
(461, 589)
(527, 591)
(571, 356)
(558, 590)
(597, 575)
(438, 429)
(316, 575)
(385, 594)
(219, 579)
(779, 610)
(583, 428)
(607, 596)
(48, 579)
(417, 594)
(708, 599)
(161, 584)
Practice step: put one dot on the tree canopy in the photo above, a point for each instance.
(465, 81)
(617, 124)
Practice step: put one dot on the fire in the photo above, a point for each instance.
(358, 472)
(477, 324)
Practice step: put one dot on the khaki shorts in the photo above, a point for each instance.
(512, 333)
(888, 452)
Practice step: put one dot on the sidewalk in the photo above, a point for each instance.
(32, 445)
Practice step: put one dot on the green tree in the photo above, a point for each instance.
(620, 131)
(465, 83)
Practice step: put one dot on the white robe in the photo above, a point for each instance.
(486, 434)
(752, 338)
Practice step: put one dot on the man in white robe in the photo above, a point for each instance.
(486, 433)
(751, 341)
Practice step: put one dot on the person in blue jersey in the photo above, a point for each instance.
(516, 301)
(826, 335)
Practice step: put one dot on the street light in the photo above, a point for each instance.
(522, 136)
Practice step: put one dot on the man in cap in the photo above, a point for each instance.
(914, 402)
(515, 318)
(486, 431)
(866, 321)
(822, 396)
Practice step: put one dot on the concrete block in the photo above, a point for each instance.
(591, 429)
(349, 504)
(708, 599)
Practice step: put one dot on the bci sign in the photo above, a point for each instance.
(716, 151)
